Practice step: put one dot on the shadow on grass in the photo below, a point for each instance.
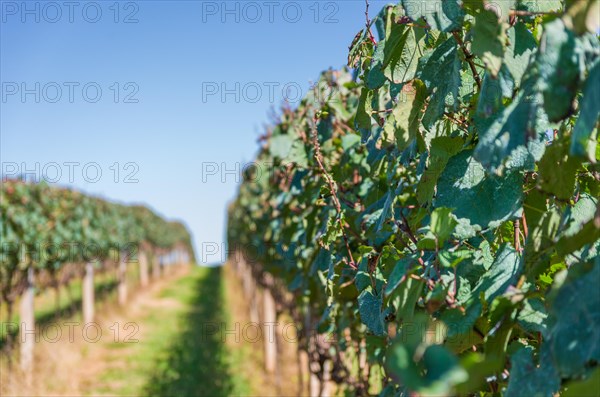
(196, 362)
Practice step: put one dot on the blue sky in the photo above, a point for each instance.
(135, 90)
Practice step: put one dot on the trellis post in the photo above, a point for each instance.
(87, 295)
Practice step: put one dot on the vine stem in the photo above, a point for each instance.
(523, 13)
(469, 57)
(517, 238)
(524, 222)
(368, 23)
(333, 188)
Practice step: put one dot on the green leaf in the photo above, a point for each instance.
(409, 293)
(369, 307)
(503, 273)
(440, 72)
(484, 200)
(529, 379)
(363, 278)
(541, 241)
(442, 224)
(460, 334)
(515, 139)
(426, 368)
(405, 117)
(443, 371)
(480, 368)
(546, 6)
(375, 77)
(560, 69)
(488, 40)
(521, 46)
(533, 315)
(365, 107)
(322, 262)
(333, 230)
(494, 91)
(582, 212)
(574, 322)
(442, 15)
(442, 148)
(581, 226)
(585, 134)
(280, 145)
(358, 48)
(402, 53)
(297, 154)
(558, 171)
(400, 269)
(349, 141)
(584, 388)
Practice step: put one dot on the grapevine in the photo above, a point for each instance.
(454, 164)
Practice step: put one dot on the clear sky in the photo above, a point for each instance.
(153, 101)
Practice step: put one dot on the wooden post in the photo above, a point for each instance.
(156, 266)
(328, 387)
(87, 294)
(143, 259)
(27, 327)
(247, 280)
(122, 279)
(164, 268)
(303, 375)
(314, 385)
(270, 334)
(254, 317)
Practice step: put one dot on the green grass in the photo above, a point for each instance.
(175, 356)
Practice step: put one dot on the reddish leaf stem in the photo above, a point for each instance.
(469, 58)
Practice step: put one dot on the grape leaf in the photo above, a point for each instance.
(442, 148)
(583, 141)
(365, 107)
(404, 118)
(521, 46)
(484, 200)
(442, 15)
(503, 273)
(281, 145)
(515, 139)
(440, 72)
(558, 171)
(574, 322)
(560, 69)
(488, 40)
(369, 307)
(528, 379)
(402, 53)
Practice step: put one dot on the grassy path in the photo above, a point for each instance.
(175, 354)
(160, 344)
(172, 339)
